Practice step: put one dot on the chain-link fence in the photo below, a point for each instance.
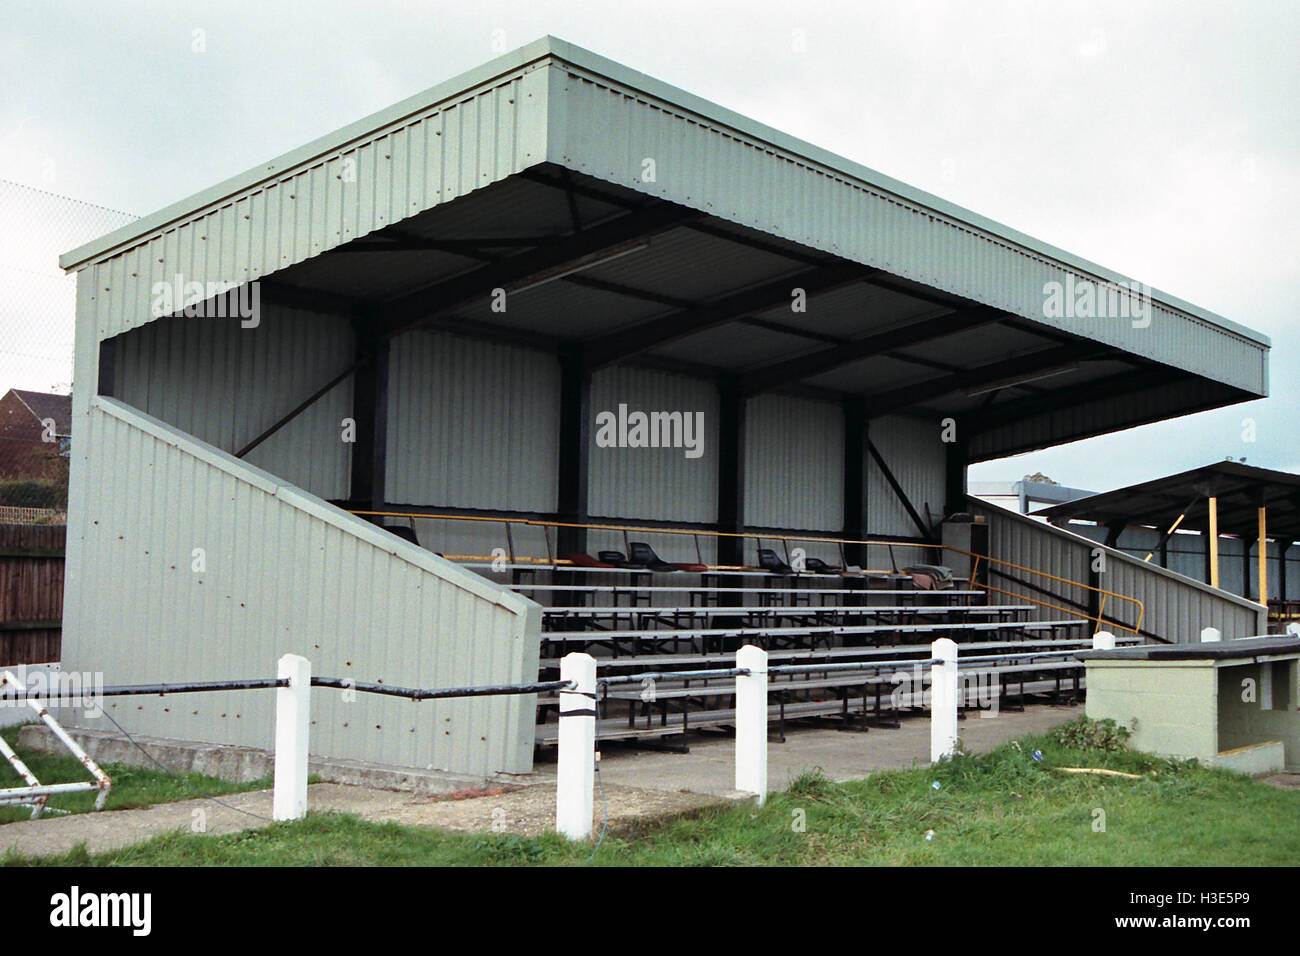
(37, 318)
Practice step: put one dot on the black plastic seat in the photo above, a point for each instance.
(768, 561)
(644, 555)
(818, 566)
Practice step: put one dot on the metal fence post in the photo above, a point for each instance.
(292, 726)
(575, 775)
(1211, 635)
(751, 722)
(1103, 641)
(944, 686)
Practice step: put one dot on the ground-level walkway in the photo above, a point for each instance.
(639, 786)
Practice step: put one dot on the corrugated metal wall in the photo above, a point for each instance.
(472, 424)
(653, 483)
(383, 176)
(794, 464)
(1176, 608)
(607, 129)
(284, 573)
(914, 453)
(225, 385)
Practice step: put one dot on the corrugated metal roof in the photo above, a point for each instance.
(553, 108)
(576, 128)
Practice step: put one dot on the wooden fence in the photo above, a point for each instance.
(31, 593)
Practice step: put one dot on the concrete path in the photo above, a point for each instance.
(640, 786)
(841, 755)
(114, 829)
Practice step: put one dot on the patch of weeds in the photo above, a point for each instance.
(1085, 734)
(508, 848)
(813, 784)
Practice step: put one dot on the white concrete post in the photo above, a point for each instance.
(1265, 685)
(1103, 641)
(751, 722)
(575, 775)
(944, 688)
(292, 727)
(1211, 635)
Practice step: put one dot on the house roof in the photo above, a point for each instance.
(45, 405)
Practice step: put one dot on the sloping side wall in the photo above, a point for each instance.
(188, 564)
(1176, 608)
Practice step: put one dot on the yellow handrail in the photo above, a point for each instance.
(1099, 618)
(976, 558)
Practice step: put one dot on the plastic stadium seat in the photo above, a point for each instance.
(644, 555)
(818, 566)
(587, 561)
(768, 561)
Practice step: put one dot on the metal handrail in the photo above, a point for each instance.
(1097, 619)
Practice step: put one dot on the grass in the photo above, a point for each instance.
(1004, 808)
(132, 786)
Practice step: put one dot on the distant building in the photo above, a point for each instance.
(35, 437)
(1026, 494)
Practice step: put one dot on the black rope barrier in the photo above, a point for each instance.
(414, 693)
(341, 683)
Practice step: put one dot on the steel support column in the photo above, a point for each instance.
(1263, 551)
(956, 457)
(575, 453)
(370, 414)
(1214, 541)
(731, 471)
(855, 478)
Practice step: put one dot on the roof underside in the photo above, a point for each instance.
(688, 270)
(1239, 489)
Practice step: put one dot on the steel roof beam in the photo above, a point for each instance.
(824, 360)
(1009, 413)
(626, 343)
(276, 292)
(421, 306)
(983, 375)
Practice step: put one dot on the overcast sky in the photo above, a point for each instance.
(1157, 139)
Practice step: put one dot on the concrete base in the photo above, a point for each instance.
(1256, 759)
(249, 763)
